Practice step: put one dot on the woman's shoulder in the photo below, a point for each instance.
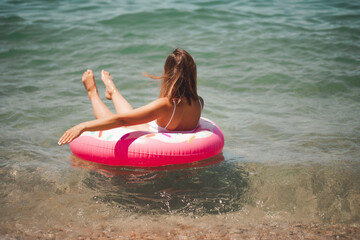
(162, 102)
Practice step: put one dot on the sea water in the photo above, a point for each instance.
(281, 79)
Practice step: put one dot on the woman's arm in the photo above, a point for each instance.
(137, 116)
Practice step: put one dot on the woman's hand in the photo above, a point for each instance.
(71, 134)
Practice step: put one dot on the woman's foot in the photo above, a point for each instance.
(108, 81)
(89, 82)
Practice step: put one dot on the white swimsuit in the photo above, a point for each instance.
(154, 127)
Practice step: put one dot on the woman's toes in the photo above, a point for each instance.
(89, 82)
(104, 74)
(87, 74)
(107, 80)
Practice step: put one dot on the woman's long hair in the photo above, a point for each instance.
(179, 77)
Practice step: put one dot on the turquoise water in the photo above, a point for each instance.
(281, 79)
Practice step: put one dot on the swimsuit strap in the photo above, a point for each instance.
(171, 115)
(174, 113)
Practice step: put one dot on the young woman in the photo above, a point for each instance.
(178, 107)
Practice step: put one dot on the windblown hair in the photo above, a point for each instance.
(179, 77)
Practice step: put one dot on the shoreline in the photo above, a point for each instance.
(188, 231)
(72, 212)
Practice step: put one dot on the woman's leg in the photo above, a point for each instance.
(99, 108)
(120, 103)
(111, 93)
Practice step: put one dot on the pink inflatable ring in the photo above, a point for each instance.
(127, 147)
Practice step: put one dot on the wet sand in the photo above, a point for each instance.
(192, 229)
(248, 231)
(279, 203)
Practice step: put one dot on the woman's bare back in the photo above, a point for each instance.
(186, 117)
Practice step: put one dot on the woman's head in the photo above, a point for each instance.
(179, 77)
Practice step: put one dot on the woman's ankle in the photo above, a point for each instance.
(93, 94)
